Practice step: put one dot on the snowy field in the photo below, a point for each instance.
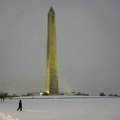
(53, 108)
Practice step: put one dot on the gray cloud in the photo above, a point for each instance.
(88, 42)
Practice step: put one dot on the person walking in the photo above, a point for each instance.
(20, 106)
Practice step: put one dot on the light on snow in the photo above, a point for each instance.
(7, 117)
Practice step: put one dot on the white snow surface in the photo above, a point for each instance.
(55, 108)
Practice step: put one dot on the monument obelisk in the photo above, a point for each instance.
(52, 62)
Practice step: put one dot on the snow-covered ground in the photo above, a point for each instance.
(62, 109)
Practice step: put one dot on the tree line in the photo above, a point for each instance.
(4, 95)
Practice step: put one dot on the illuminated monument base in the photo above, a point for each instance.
(52, 64)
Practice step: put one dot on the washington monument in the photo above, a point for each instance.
(52, 63)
